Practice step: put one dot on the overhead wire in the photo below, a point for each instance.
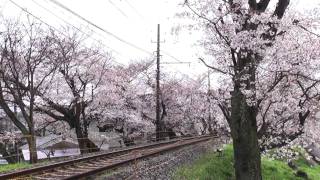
(115, 6)
(134, 9)
(135, 76)
(100, 28)
(173, 57)
(109, 33)
(89, 27)
(69, 10)
(77, 28)
(39, 19)
(164, 52)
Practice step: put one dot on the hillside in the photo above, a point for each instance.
(220, 166)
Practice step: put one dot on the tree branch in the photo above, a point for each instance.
(281, 8)
(214, 68)
(262, 5)
(252, 4)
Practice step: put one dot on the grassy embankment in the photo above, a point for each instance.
(11, 167)
(214, 167)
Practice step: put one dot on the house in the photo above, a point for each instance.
(105, 137)
(52, 146)
(2, 160)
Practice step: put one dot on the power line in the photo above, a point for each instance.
(164, 52)
(109, 33)
(114, 5)
(134, 9)
(98, 27)
(39, 19)
(91, 29)
(149, 65)
(80, 30)
(178, 60)
(73, 26)
(25, 10)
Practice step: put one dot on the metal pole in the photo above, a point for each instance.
(158, 123)
(209, 104)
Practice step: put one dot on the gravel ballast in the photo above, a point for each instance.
(162, 166)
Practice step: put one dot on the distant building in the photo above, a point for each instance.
(2, 161)
(105, 137)
(52, 146)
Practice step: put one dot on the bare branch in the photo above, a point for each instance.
(227, 41)
(214, 68)
(306, 29)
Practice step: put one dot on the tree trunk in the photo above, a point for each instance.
(161, 133)
(205, 125)
(85, 144)
(211, 129)
(6, 155)
(32, 148)
(245, 140)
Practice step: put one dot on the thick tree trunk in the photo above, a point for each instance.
(85, 144)
(32, 148)
(245, 140)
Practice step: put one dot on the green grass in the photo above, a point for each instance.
(313, 172)
(275, 169)
(11, 167)
(213, 167)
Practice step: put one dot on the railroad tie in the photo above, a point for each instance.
(42, 178)
(65, 172)
(86, 166)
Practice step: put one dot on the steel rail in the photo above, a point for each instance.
(31, 171)
(134, 158)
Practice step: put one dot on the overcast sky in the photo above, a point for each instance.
(134, 21)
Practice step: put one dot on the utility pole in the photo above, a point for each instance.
(209, 103)
(160, 126)
(158, 123)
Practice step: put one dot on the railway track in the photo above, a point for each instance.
(88, 166)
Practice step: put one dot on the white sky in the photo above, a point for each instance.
(132, 20)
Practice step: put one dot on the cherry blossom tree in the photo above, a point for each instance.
(80, 69)
(118, 100)
(25, 66)
(259, 49)
(9, 139)
(185, 109)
